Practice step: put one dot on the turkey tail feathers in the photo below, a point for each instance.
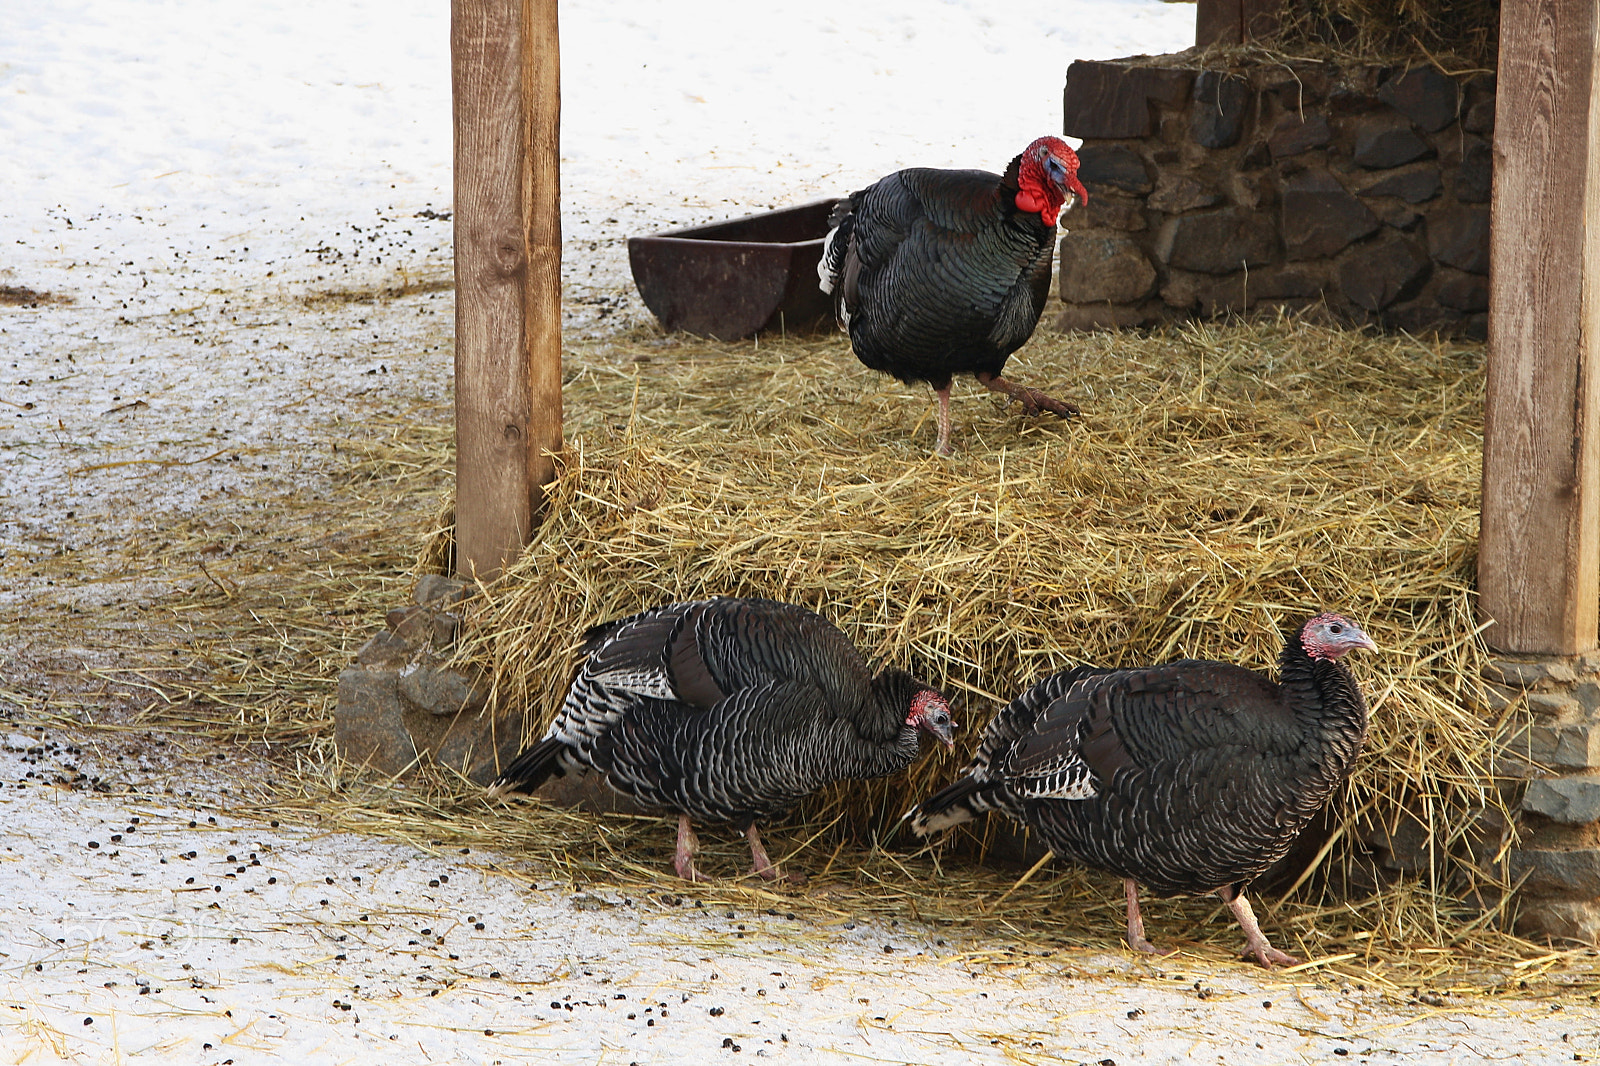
(531, 769)
(958, 802)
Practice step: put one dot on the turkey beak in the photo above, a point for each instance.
(944, 730)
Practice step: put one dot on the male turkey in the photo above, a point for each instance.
(943, 272)
(729, 710)
(1186, 778)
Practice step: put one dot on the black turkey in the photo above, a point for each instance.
(729, 710)
(943, 272)
(1186, 778)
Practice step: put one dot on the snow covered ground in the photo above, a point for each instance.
(196, 201)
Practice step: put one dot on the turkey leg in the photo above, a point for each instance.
(1255, 942)
(758, 855)
(1033, 401)
(763, 863)
(1136, 939)
(683, 858)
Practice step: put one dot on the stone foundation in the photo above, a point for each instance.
(399, 706)
(1212, 191)
(1557, 752)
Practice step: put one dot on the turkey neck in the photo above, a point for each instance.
(1327, 702)
(881, 722)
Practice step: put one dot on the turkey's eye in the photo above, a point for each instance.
(1336, 629)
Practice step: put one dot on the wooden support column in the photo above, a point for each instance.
(505, 73)
(1539, 552)
(1234, 21)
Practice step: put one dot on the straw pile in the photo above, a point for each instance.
(1455, 35)
(1222, 483)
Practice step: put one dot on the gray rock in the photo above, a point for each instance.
(438, 591)
(1423, 95)
(1109, 210)
(1177, 193)
(1114, 99)
(1295, 133)
(1587, 693)
(474, 744)
(1559, 921)
(1406, 846)
(1382, 143)
(1220, 100)
(1218, 242)
(411, 624)
(1570, 873)
(1396, 215)
(1552, 705)
(1414, 185)
(1475, 175)
(1571, 800)
(1099, 269)
(1559, 745)
(1459, 237)
(1112, 166)
(1525, 673)
(1320, 217)
(438, 690)
(1464, 292)
(384, 649)
(369, 723)
(1479, 118)
(1375, 277)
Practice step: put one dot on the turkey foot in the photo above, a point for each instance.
(1033, 401)
(1255, 942)
(683, 858)
(763, 863)
(1136, 939)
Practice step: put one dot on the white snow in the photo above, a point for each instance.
(178, 176)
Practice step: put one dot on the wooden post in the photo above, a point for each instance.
(1234, 21)
(505, 72)
(1539, 550)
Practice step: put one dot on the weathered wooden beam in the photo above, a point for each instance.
(1539, 549)
(1234, 21)
(505, 72)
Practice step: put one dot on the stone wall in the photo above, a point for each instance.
(1557, 751)
(1213, 191)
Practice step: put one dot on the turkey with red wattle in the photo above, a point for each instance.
(942, 272)
(1185, 778)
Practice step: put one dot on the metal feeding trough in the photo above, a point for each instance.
(731, 279)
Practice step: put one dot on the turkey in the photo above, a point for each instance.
(943, 272)
(729, 710)
(1186, 778)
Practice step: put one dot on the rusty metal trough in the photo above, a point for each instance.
(731, 279)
